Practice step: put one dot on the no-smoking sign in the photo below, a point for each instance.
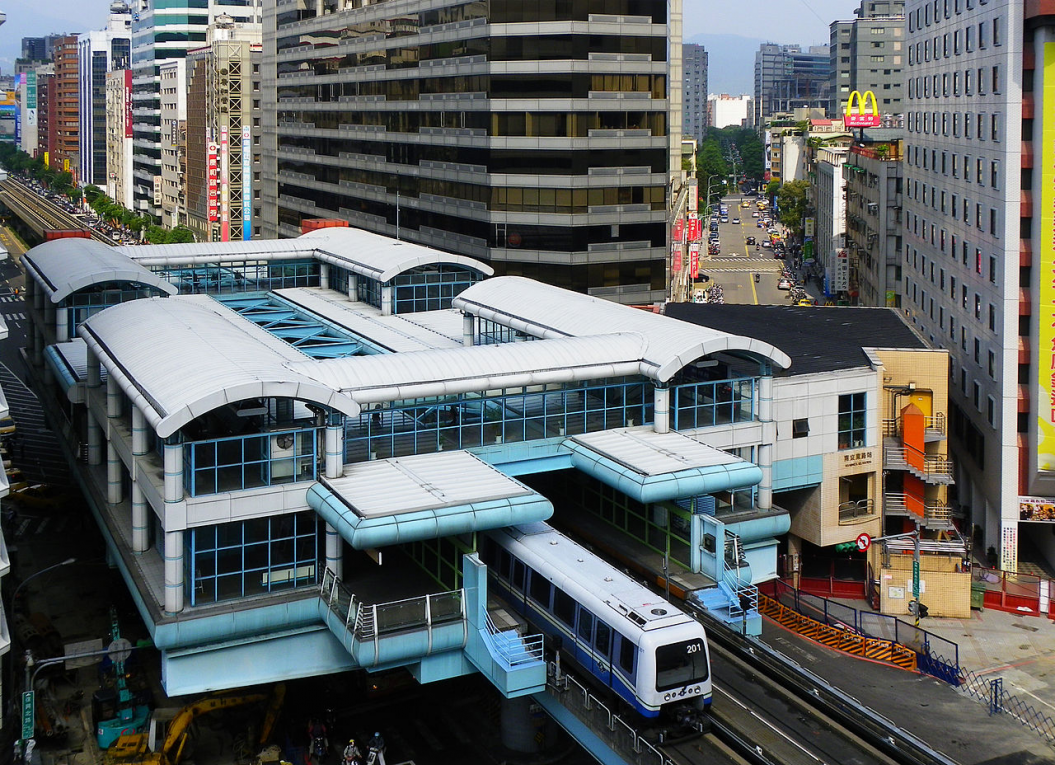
(863, 542)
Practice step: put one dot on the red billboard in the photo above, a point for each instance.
(694, 259)
(213, 185)
(695, 228)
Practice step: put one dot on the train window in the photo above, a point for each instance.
(564, 607)
(627, 650)
(539, 589)
(585, 625)
(489, 554)
(518, 575)
(603, 639)
(503, 563)
(681, 664)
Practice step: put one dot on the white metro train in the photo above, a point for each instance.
(649, 652)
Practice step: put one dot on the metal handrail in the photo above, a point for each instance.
(892, 425)
(933, 464)
(855, 511)
(529, 647)
(936, 510)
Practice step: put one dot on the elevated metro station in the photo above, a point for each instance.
(292, 447)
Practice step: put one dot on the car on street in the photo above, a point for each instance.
(784, 284)
(766, 243)
(772, 231)
(736, 221)
(754, 214)
(751, 240)
(725, 219)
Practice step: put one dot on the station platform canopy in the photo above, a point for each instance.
(426, 496)
(544, 311)
(65, 266)
(652, 467)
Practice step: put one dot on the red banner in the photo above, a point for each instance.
(214, 192)
(675, 258)
(678, 232)
(694, 260)
(695, 228)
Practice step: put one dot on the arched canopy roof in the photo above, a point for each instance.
(182, 357)
(64, 266)
(380, 257)
(361, 252)
(550, 312)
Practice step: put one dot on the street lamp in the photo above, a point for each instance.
(31, 577)
(28, 701)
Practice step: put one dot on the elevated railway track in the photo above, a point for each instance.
(39, 215)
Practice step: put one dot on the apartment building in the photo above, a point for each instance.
(976, 254)
(694, 90)
(98, 53)
(66, 116)
(869, 53)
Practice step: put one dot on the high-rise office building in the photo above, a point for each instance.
(787, 78)
(537, 137)
(98, 53)
(66, 119)
(868, 53)
(33, 48)
(694, 90)
(222, 136)
(724, 110)
(159, 33)
(978, 255)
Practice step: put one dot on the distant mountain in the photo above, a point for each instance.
(730, 62)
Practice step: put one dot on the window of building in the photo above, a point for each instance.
(991, 366)
(996, 78)
(800, 428)
(977, 394)
(994, 174)
(990, 410)
(992, 269)
(995, 126)
(852, 416)
(998, 31)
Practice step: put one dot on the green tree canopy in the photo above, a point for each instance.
(793, 200)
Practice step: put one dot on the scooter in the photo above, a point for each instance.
(319, 748)
(757, 278)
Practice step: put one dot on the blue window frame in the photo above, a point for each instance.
(262, 555)
(247, 462)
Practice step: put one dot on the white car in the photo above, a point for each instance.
(772, 231)
(736, 221)
(784, 284)
(754, 214)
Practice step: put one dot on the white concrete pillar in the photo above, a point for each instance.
(174, 572)
(173, 472)
(114, 493)
(334, 451)
(62, 331)
(140, 432)
(113, 397)
(353, 286)
(324, 275)
(93, 377)
(140, 520)
(95, 441)
(387, 298)
(334, 561)
(49, 315)
(468, 329)
(764, 495)
(38, 346)
(661, 397)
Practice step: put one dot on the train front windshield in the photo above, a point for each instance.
(681, 664)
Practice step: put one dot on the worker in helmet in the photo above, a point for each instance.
(378, 745)
(352, 755)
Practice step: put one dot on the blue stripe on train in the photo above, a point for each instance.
(550, 627)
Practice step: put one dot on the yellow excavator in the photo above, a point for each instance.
(166, 735)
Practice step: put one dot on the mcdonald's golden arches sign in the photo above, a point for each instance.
(861, 118)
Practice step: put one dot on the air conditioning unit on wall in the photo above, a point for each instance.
(283, 449)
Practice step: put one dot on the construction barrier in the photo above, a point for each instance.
(840, 638)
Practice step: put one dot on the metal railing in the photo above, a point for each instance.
(935, 466)
(516, 652)
(935, 511)
(744, 594)
(613, 730)
(935, 424)
(991, 691)
(856, 511)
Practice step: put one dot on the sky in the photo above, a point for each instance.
(781, 21)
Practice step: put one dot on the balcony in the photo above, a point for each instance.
(936, 514)
(934, 428)
(856, 511)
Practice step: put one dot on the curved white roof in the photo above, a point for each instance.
(445, 371)
(380, 257)
(550, 312)
(181, 357)
(64, 266)
(191, 253)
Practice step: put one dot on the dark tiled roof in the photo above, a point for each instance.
(816, 339)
